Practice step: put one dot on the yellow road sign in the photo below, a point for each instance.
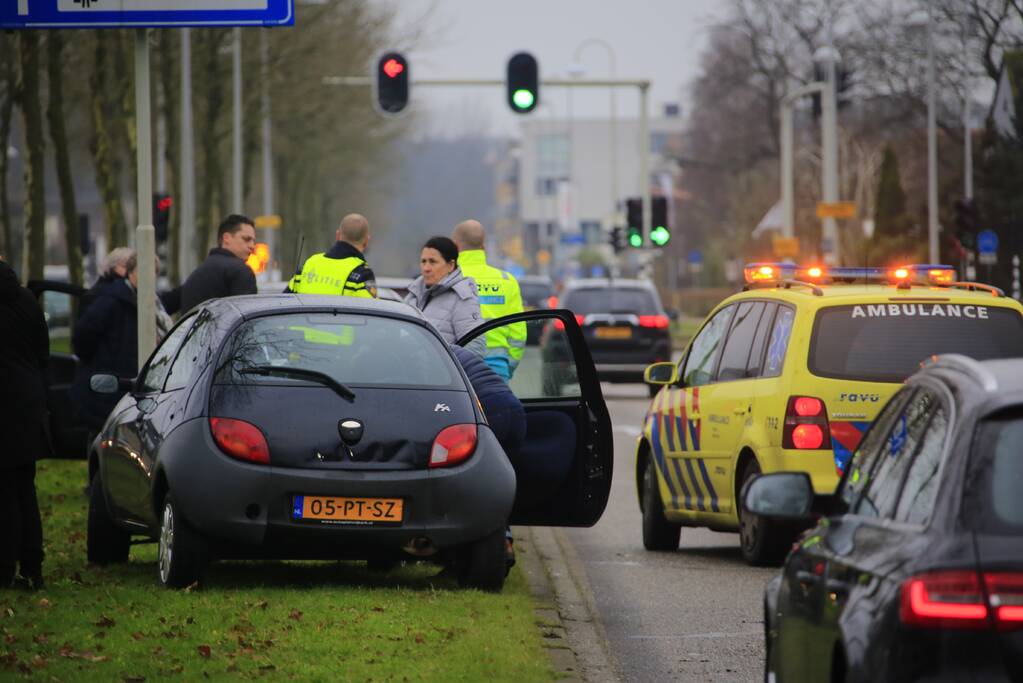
(785, 247)
(272, 221)
(836, 209)
(543, 257)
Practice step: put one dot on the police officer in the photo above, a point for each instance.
(499, 296)
(342, 269)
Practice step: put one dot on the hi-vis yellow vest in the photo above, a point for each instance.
(322, 275)
(499, 296)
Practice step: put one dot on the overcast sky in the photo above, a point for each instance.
(659, 40)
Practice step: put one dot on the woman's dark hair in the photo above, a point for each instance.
(448, 250)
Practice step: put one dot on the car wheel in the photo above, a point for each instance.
(482, 564)
(658, 532)
(763, 542)
(106, 543)
(181, 557)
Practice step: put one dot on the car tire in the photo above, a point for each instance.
(106, 543)
(181, 556)
(763, 542)
(658, 533)
(482, 564)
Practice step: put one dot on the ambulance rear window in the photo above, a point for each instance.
(886, 342)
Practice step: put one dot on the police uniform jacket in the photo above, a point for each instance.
(341, 270)
(452, 305)
(24, 352)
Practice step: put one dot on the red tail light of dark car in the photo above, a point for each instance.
(453, 445)
(240, 440)
(963, 600)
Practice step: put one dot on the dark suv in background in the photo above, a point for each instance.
(624, 324)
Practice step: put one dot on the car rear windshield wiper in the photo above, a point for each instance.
(302, 373)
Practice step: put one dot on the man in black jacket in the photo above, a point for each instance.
(224, 272)
(24, 352)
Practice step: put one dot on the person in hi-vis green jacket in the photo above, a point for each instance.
(499, 296)
(342, 269)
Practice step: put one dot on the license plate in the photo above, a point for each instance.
(338, 510)
(613, 332)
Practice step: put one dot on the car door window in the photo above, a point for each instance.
(917, 499)
(778, 342)
(862, 462)
(705, 349)
(155, 372)
(58, 309)
(896, 454)
(735, 356)
(196, 350)
(755, 365)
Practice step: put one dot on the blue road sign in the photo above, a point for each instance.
(695, 256)
(573, 238)
(987, 242)
(16, 14)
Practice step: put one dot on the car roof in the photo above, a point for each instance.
(596, 282)
(1000, 377)
(833, 295)
(262, 303)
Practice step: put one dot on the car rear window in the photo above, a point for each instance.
(992, 501)
(886, 342)
(611, 300)
(355, 350)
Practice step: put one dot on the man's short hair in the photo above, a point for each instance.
(354, 228)
(116, 257)
(469, 235)
(231, 225)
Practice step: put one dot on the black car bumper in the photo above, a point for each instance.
(246, 510)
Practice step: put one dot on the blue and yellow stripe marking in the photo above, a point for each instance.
(687, 479)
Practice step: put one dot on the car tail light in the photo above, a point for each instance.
(657, 321)
(240, 440)
(1005, 594)
(454, 444)
(552, 302)
(949, 599)
(806, 424)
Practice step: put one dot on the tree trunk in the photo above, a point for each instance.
(8, 76)
(34, 255)
(169, 106)
(211, 169)
(107, 175)
(62, 158)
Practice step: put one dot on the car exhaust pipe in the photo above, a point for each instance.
(420, 546)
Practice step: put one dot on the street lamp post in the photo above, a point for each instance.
(923, 19)
(828, 57)
(613, 133)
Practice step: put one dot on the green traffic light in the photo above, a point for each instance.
(523, 99)
(660, 235)
(635, 239)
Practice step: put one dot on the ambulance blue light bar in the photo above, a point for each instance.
(917, 274)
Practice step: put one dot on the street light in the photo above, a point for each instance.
(827, 56)
(922, 18)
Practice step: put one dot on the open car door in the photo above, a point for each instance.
(563, 470)
(61, 303)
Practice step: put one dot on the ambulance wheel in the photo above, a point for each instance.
(658, 533)
(763, 542)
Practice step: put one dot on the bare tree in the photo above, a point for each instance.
(61, 154)
(34, 253)
(8, 96)
(108, 178)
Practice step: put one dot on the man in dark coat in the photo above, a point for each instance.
(224, 272)
(105, 339)
(24, 352)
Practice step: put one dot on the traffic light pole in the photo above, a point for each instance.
(144, 240)
(644, 126)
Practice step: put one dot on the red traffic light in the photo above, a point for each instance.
(392, 67)
(164, 203)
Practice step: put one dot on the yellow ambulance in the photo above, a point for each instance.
(788, 375)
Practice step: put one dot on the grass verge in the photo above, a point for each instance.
(308, 621)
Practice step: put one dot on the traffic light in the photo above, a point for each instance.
(392, 82)
(967, 222)
(634, 221)
(617, 239)
(660, 231)
(523, 81)
(162, 203)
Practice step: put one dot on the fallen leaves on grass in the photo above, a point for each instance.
(295, 614)
(68, 651)
(105, 622)
(204, 651)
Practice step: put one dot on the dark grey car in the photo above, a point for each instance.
(334, 427)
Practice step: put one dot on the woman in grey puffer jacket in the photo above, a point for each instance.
(447, 298)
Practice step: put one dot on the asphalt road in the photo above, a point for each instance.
(691, 615)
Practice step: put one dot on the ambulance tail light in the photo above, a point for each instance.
(806, 424)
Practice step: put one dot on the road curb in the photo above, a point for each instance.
(565, 610)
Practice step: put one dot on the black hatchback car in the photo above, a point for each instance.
(307, 427)
(624, 323)
(914, 570)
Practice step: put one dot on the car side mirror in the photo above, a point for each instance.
(782, 495)
(110, 384)
(660, 373)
